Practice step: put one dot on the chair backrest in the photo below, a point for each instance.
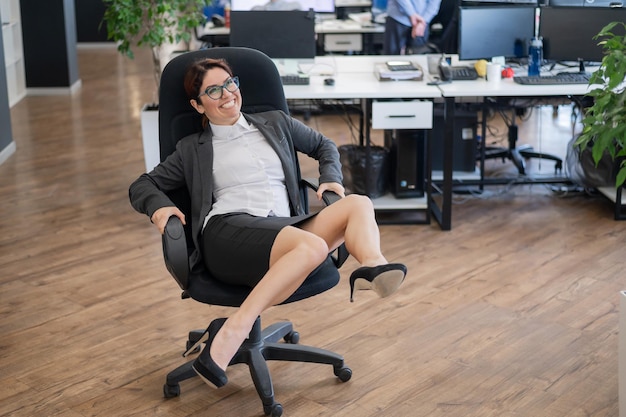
(260, 86)
(446, 41)
(261, 90)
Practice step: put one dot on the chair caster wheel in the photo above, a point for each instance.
(274, 410)
(344, 373)
(171, 391)
(292, 337)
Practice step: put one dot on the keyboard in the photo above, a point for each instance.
(463, 73)
(294, 79)
(563, 78)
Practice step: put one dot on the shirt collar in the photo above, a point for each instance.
(223, 131)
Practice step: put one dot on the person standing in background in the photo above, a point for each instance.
(407, 24)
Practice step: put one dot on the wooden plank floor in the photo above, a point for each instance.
(514, 312)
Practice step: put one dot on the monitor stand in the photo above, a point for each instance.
(581, 66)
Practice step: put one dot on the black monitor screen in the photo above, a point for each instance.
(287, 34)
(485, 32)
(318, 6)
(568, 31)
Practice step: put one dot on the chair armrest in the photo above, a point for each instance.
(175, 251)
(330, 197)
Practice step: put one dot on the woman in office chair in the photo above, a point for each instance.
(241, 175)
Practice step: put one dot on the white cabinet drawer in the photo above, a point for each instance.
(343, 42)
(414, 114)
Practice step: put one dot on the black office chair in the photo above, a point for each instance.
(518, 154)
(261, 91)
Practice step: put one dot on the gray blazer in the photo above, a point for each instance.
(191, 166)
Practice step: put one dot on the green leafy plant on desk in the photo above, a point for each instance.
(152, 24)
(604, 123)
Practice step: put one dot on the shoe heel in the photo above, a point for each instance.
(358, 284)
(203, 338)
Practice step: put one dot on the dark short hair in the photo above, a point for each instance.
(196, 72)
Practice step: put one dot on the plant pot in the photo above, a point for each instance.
(150, 135)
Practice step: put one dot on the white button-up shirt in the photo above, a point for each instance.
(247, 174)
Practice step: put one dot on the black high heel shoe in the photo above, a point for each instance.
(204, 365)
(383, 279)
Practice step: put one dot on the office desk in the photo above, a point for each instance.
(323, 26)
(484, 89)
(348, 36)
(355, 79)
(333, 35)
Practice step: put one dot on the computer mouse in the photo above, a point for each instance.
(329, 81)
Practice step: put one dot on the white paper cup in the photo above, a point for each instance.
(433, 63)
(494, 72)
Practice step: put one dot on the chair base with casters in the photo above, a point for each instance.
(514, 153)
(519, 154)
(261, 346)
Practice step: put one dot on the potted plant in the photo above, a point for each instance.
(153, 24)
(604, 123)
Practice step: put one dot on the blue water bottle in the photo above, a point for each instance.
(535, 56)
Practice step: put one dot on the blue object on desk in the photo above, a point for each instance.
(215, 7)
(535, 57)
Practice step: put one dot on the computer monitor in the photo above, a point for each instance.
(318, 6)
(286, 34)
(485, 32)
(568, 31)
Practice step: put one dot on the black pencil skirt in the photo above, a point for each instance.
(236, 246)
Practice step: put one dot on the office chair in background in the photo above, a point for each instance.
(518, 154)
(261, 91)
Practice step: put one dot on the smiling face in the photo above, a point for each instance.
(223, 111)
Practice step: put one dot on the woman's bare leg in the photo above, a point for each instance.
(295, 254)
(352, 220)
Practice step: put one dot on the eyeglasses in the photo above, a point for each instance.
(216, 92)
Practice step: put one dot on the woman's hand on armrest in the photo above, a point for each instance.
(162, 215)
(335, 187)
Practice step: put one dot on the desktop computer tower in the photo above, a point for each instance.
(465, 146)
(407, 157)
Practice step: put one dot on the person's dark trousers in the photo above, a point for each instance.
(398, 38)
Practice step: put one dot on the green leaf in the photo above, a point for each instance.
(604, 122)
(151, 23)
(621, 177)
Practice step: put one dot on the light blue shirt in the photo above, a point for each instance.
(247, 174)
(400, 10)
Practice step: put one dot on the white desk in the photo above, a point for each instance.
(323, 26)
(484, 89)
(347, 26)
(360, 86)
(355, 79)
(335, 35)
(509, 88)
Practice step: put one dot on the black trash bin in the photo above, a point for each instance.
(354, 168)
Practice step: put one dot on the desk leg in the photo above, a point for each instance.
(483, 144)
(443, 214)
(365, 120)
(362, 122)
